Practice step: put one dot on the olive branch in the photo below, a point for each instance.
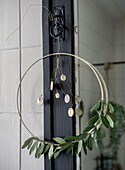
(73, 144)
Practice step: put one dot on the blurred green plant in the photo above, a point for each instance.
(115, 133)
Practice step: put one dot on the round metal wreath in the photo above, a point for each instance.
(72, 144)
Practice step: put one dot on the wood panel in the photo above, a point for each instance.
(9, 142)
(9, 79)
(56, 118)
(9, 21)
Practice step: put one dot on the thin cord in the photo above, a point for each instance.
(24, 17)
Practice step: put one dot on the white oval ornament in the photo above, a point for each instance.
(67, 98)
(70, 112)
(57, 95)
(51, 86)
(40, 101)
(63, 77)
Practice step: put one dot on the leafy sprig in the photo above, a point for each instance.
(74, 144)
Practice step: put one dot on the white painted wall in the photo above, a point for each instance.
(119, 79)
(101, 39)
(13, 63)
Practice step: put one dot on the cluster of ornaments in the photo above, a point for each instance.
(40, 100)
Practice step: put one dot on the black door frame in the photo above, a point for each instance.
(56, 120)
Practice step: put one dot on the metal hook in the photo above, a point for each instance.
(55, 30)
(57, 27)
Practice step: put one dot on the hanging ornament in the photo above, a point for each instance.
(57, 95)
(63, 77)
(70, 112)
(40, 101)
(78, 106)
(77, 99)
(101, 115)
(67, 98)
(78, 112)
(51, 85)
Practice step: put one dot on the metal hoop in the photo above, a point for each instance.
(95, 71)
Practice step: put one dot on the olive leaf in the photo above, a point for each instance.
(27, 142)
(50, 153)
(33, 147)
(46, 148)
(69, 149)
(79, 146)
(93, 120)
(110, 121)
(29, 145)
(105, 121)
(105, 106)
(82, 136)
(84, 144)
(76, 148)
(111, 108)
(96, 107)
(89, 143)
(65, 146)
(59, 140)
(88, 128)
(57, 154)
(39, 150)
(70, 138)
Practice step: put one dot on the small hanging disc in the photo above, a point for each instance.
(40, 101)
(57, 95)
(63, 77)
(51, 86)
(67, 98)
(70, 112)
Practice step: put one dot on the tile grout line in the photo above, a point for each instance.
(20, 48)
(20, 55)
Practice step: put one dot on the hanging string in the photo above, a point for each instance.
(50, 15)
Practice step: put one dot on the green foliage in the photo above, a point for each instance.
(50, 153)
(70, 138)
(82, 136)
(93, 120)
(46, 148)
(39, 150)
(116, 119)
(111, 108)
(74, 144)
(90, 143)
(27, 142)
(105, 121)
(84, 144)
(96, 106)
(110, 121)
(59, 140)
(79, 146)
(33, 147)
(57, 154)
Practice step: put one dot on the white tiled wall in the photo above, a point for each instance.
(19, 48)
(101, 39)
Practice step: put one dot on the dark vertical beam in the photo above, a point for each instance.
(46, 77)
(56, 119)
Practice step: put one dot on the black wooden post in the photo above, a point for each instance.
(56, 119)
